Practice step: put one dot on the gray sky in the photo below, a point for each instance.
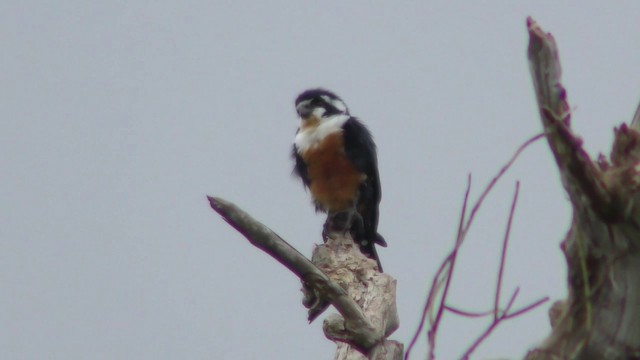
(118, 117)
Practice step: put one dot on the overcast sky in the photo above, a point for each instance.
(118, 117)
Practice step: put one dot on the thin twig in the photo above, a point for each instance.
(449, 263)
(497, 177)
(512, 299)
(527, 308)
(505, 243)
(467, 313)
(436, 280)
(479, 340)
(499, 316)
(504, 316)
(431, 334)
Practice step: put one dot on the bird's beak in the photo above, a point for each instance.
(304, 109)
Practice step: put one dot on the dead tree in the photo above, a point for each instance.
(600, 319)
(340, 275)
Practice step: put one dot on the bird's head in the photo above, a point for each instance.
(316, 105)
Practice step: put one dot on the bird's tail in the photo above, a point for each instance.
(380, 240)
(368, 248)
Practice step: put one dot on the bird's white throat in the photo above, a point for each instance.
(311, 136)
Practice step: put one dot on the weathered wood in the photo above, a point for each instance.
(600, 319)
(375, 293)
(364, 297)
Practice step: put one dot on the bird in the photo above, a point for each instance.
(335, 157)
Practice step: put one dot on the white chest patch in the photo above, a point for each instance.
(310, 137)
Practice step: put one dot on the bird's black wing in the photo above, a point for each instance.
(361, 151)
(300, 167)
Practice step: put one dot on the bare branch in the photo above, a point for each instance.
(467, 313)
(446, 268)
(433, 331)
(580, 176)
(505, 315)
(498, 315)
(495, 179)
(546, 72)
(264, 238)
(505, 243)
(435, 285)
(360, 332)
(480, 339)
(512, 299)
(599, 318)
(527, 308)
